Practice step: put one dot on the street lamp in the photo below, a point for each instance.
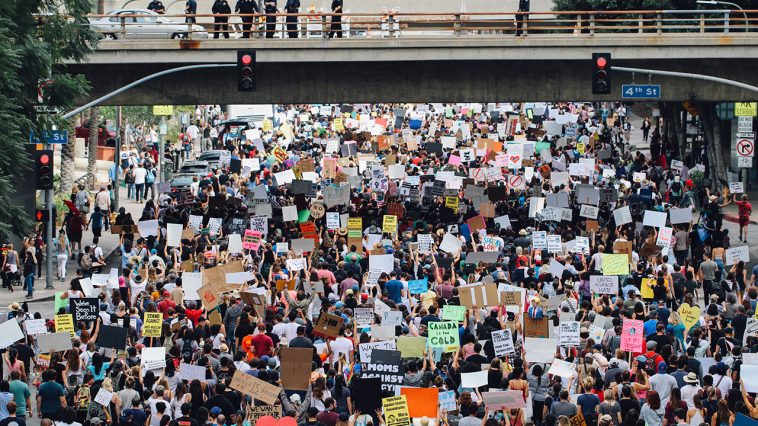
(717, 2)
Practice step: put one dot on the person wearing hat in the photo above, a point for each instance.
(663, 383)
(690, 389)
(166, 304)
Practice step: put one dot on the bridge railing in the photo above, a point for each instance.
(395, 24)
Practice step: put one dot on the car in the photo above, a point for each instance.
(182, 181)
(195, 168)
(216, 157)
(142, 24)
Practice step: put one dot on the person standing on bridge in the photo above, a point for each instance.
(246, 7)
(523, 6)
(270, 8)
(336, 19)
(292, 8)
(157, 7)
(190, 9)
(221, 21)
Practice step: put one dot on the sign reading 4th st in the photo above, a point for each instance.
(632, 91)
(50, 137)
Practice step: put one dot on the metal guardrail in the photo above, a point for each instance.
(319, 24)
(88, 179)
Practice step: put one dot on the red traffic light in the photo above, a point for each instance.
(246, 59)
(40, 216)
(601, 62)
(44, 159)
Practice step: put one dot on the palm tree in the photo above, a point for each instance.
(67, 167)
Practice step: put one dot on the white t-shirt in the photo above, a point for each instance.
(139, 175)
(192, 131)
(341, 345)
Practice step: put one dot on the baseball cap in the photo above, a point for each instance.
(662, 367)
(215, 411)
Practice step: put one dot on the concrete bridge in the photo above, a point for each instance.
(428, 66)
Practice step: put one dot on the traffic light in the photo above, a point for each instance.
(601, 76)
(43, 168)
(42, 215)
(245, 70)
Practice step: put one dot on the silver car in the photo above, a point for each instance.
(149, 26)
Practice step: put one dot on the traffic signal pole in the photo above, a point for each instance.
(49, 230)
(688, 75)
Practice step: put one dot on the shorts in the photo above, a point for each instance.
(743, 220)
(97, 232)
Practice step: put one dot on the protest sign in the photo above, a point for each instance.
(328, 325)
(111, 336)
(454, 313)
(632, 336)
(152, 324)
(396, 411)
(190, 372)
(479, 295)
(503, 400)
(64, 322)
(254, 413)
(370, 390)
(409, 346)
(447, 401)
(683, 215)
(418, 286)
(562, 368)
(535, 327)
(84, 309)
(421, 401)
(255, 387)
(474, 380)
(296, 367)
(35, 326)
(503, 342)
(364, 317)
(443, 334)
(53, 342)
(569, 333)
(366, 349)
(386, 365)
(10, 332)
(615, 264)
(604, 284)
(736, 254)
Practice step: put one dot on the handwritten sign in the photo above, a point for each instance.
(632, 335)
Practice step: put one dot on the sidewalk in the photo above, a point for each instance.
(108, 242)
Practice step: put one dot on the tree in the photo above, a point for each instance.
(36, 38)
(94, 128)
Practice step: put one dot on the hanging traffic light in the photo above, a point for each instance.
(601, 76)
(43, 168)
(42, 216)
(245, 70)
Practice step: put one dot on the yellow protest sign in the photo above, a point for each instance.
(615, 264)
(390, 224)
(280, 154)
(580, 148)
(411, 346)
(396, 411)
(287, 131)
(690, 315)
(64, 323)
(452, 203)
(647, 288)
(152, 324)
(338, 126)
(354, 231)
(745, 109)
(163, 109)
(267, 126)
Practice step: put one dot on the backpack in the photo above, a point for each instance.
(95, 410)
(187, 348)
(650, 363)
(150, 176)
(84, 398)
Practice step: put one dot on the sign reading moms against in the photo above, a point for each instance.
(386, 366)
(443, 334)
(84, 309)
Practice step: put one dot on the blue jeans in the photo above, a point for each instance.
(129, 192)
(29, 284)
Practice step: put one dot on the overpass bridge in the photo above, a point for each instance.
(442, 58)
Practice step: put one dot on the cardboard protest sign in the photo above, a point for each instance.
(480, 295)
(632, 336)
(623, 247)
(113, 337)
(535, 327)
(421, 401)
(84, 309)
(296, 367)
(53, 342)
(255, 387)
(328, 325)
(152, 324)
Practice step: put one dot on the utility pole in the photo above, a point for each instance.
(49, 231)
(119, 141)
(161, 149)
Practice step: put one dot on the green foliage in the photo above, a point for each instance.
(604, 5)
(36, 38)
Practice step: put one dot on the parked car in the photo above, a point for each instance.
(148, 26)
(195, 168)
(182, 181)
(216, 157)
(106, 135)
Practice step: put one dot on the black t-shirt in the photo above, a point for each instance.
(660, 340)
(12, 421)
(184, 421)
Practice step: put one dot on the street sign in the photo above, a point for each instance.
(741, 135)
(744, 124)
(163, 109)
(744, 162)
(647, 91)
(163, 129)
(745, 147)
(50, 136)
(746, 109)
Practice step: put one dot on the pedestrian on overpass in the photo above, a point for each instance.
(292, 8)
(523, 6)
(157, 7)
(336, 19)
(190, 9)
(246, 7)
(270, 8)
(221, 21)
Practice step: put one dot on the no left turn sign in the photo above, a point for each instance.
(746, 147)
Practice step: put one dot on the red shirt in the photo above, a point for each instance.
(164, 306)
(744, 208)
(193, 315)
(262, 344)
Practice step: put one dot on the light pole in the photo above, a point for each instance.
(727, 3)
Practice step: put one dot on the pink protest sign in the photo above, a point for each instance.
(632, 336)
(251, 240)
(454, 160)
